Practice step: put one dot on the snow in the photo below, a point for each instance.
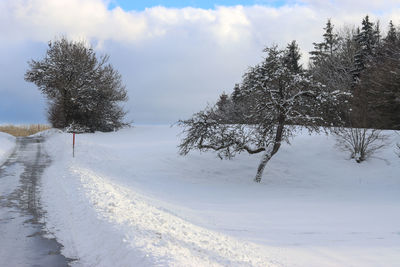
(46, 133)
(129, 199)
(7, 144)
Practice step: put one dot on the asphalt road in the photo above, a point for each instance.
(24, 240)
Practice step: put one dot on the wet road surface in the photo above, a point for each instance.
(23, 237)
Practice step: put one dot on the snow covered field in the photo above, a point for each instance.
(129, 199)
(7, 144)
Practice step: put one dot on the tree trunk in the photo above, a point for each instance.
(270, 152)
(264, 160)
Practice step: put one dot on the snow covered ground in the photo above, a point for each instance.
(129, 199)
(7, 144)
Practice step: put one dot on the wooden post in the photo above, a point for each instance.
(73, 145)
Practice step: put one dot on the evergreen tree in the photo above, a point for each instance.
(368, 41)
(391, 42)
(328, 46)
(392, 36)
(365, 66)
(239, 105)
(381, 84)
(237, 94)
(292, 57)
(330, 38)
(223, 102)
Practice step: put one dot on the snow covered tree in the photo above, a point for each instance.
(279, 97)
(236, 95)
(376, 95)
(333, 64)
(239, 105)
(365, 67)
(330, 38)
(82, 89)
(223, 103)
(225, 109)
(333, 59)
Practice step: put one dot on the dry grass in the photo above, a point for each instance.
(23, 130)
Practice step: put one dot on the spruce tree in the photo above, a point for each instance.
(391, 37)
(367, 40)
(330, 38)
(391, 42)
(236, 95)
(327, 47)
(292, 57)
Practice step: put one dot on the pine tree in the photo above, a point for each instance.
(237, 94)
(381, 84)
(292, 57)
(223, 102)
(368, 42)
(330, 38)
(392, 36)
(328, 46)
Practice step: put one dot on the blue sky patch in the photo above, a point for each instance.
(205, 4)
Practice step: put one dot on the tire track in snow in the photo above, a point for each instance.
(24, 237)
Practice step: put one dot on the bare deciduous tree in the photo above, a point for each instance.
(360, 142)
(278, 95)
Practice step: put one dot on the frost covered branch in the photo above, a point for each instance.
(261, 113)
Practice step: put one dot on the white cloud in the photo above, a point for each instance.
(42, 20)
(176, 60)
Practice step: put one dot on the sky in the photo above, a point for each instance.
(142, 5)
(175, 57)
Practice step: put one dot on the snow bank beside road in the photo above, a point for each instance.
(7, 144)
(128, 199)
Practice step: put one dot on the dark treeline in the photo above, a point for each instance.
(365, 62)
(361, 62)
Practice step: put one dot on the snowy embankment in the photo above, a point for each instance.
(7, 144)
(128, 199)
